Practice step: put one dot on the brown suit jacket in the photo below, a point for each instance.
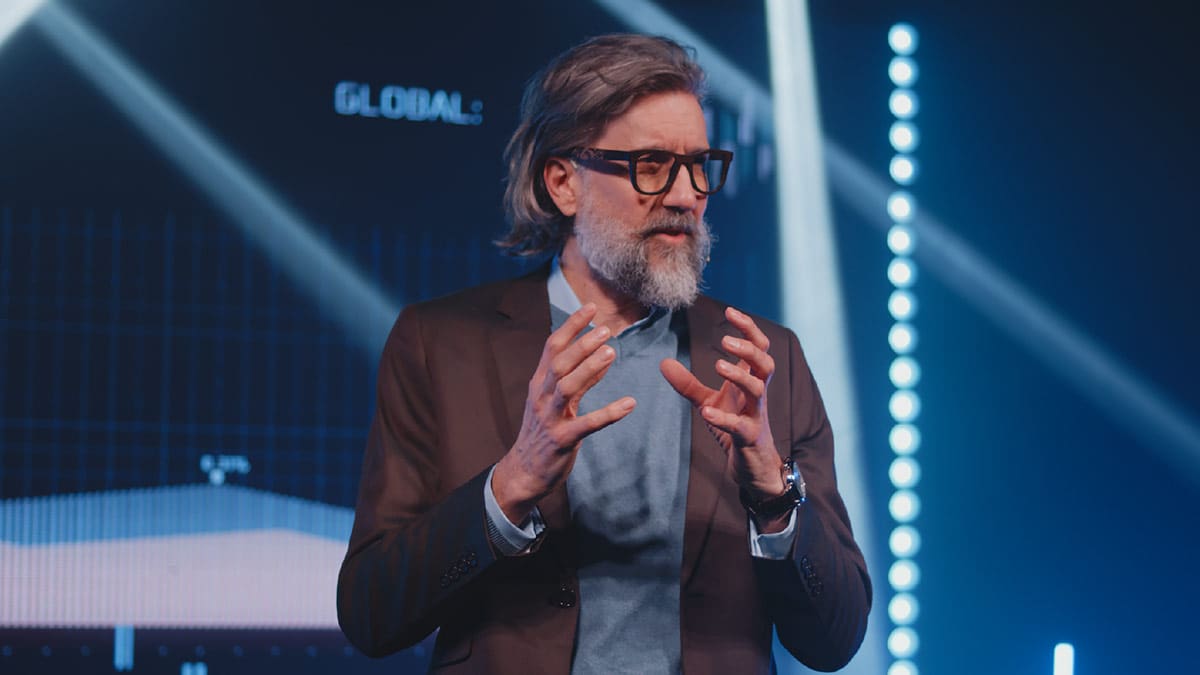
(451, 392)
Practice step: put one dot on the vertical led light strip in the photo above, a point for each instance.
(1064, 659)
(904, 372)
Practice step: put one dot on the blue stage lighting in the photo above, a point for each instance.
(903, 609)
(903, 71)
(903, 169)
(902, 643)
(902, 668)
(904, 575)
(282, 235)
(904, 104)
(1064, 659)
(900, 206)
(904, 506)
(903, 338)
(13, 14)
(904, 472)
(905, 439)
(903, 136)
(904, 372)
(1145, 411)
(904, 405)
(902, 305)
(904, 541)
(903, 39)
(902, 272)
(901, 239)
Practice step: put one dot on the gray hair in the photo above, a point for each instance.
(567, 105)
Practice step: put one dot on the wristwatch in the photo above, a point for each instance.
(793, 495)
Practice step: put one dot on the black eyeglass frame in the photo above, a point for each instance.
(633, 156)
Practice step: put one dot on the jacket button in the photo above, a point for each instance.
(564, 597)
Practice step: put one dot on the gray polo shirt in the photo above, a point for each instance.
(627, 494)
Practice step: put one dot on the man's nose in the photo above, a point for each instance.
(682, 196)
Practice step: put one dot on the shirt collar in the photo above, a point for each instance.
(561, 295)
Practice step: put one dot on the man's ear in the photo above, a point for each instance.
(562, 183)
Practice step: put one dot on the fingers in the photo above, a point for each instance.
(760, 363)
(598, 419)
(570, 366)
(683, 381)
(570, 358)
(562, 338)
(750, 329)
(750, 385)
(741, 428)
(585, 375)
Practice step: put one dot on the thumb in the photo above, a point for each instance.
(683, 381)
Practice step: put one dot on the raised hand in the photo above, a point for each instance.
(551, 429)
(736, 414)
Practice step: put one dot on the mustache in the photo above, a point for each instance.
(672, 223)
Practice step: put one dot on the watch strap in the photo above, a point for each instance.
(792, 496)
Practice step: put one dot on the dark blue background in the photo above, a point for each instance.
(1060, 143)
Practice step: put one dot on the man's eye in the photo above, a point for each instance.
(654, 162)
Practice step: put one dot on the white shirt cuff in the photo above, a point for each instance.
(509, 539)
(775, 545)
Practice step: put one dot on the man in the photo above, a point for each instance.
(592, 469)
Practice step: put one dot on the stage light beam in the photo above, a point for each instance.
(14, 14)
(263, 217)
(1144, 411)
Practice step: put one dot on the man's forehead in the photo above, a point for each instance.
(667, 121)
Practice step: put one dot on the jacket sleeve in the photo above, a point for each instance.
(415, 548)
(820, 596)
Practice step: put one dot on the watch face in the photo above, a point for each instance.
(790, 473)
(791, 476)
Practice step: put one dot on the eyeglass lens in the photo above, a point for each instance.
(654, 170)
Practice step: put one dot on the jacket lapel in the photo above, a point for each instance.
(517, 340)
(711, 470)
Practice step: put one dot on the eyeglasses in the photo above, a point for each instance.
(652, 172)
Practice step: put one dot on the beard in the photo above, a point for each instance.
(636, 264)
